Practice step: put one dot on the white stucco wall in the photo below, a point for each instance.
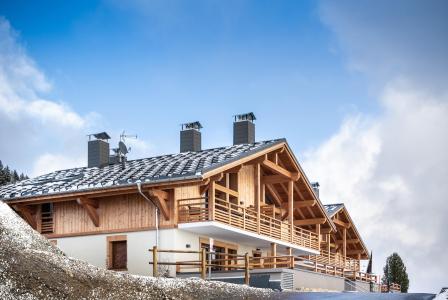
(93, 248)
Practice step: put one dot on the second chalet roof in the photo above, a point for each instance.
(186, 165)
(332, 209)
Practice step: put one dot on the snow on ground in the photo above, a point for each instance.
(32, 268)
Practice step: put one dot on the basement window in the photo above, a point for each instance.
(117, 253)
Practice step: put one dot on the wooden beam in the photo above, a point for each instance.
(257, 174)
(204, 186)
(344, 243)
(319, 238)
(271, 179)
(349, 241)
(340, 223)
(274, 253)
(160, 197)
(235, 169)
(298, 204)
(226, 190)
(291, 207)
(279, 170)
(276, 197)
(354, 252)
(309, 221)
(86, 203)
(27, 213)
(211, 201)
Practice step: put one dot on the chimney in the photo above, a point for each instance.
(315, 186)
(244, 129)
(190, 137)
(98, 150)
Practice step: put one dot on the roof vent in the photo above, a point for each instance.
(98, 150)
(244, 129)
(190, 137)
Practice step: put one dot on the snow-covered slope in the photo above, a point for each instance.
(32, 268)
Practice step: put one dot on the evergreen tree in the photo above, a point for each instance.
(14, 176)
(7, 175)
(369, 266)
(395, 272)
(2, 174)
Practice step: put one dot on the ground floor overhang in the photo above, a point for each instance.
(217, 230)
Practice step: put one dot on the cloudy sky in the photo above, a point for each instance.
(359, 89)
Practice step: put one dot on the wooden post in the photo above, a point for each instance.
(246, 269)
(291, 257)
(211, 201)
(318, 235)
(291, 207)
(344, 244)
(274, 253)
(227, 186)
(258, 194)
(328, 246)
(203, 263)
(154, 262)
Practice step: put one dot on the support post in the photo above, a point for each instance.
(344, 244)
(274, 253)
(154, 262)
(318, 235)
(246, 269)
(203, 264)
(211, 201)
(291, 207)
(258, 194)
(291, 257)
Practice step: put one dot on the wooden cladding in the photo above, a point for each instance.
(124, 212)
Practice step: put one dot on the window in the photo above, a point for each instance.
(46, 218)
(117, 256)
(222, 251)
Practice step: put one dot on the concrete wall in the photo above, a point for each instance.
(304, 279)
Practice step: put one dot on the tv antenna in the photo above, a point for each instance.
(122, 149)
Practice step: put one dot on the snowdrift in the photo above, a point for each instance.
(32, 268)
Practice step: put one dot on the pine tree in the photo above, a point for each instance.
(369, 266)
(2, 174)
(395, 272)
(14, 176)
(7, 175)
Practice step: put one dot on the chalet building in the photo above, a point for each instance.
(250, 205)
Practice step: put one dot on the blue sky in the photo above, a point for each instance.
(164, 64)
(358, 88)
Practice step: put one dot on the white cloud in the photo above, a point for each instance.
(31, 124)
(48, 162)
(390, 168)
(391, 173)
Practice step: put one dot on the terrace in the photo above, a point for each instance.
(226, 219)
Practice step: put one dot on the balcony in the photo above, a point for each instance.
(197, 210)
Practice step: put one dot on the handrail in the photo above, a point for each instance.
(197, 210)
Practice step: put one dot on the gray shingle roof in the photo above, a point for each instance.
(154, 169)
(332, 209)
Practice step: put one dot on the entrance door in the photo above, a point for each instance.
(119, 255)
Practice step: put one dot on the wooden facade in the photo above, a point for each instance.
(266, 193)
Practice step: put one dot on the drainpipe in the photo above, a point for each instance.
(139, 187)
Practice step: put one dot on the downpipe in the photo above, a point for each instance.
(139, 187)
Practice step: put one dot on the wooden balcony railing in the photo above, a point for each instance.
(336, 259)
(393, 287)
(197, 210)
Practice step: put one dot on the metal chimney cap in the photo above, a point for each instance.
(192, 125)
(245, 117)
(100, 136)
